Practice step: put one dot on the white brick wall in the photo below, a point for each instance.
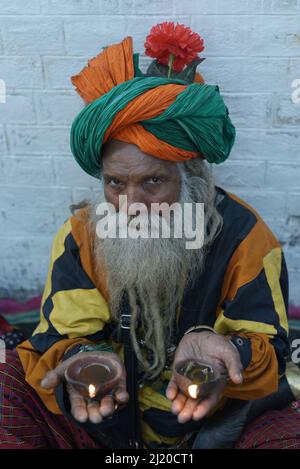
(253, 54)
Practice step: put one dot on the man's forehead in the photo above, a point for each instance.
(121, 156)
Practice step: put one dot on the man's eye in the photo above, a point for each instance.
(114, 182)
(154, 180)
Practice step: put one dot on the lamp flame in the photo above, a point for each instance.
(193, 391)
(92, 391)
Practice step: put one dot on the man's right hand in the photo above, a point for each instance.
(83, 409)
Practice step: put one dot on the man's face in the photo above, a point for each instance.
(141, 177)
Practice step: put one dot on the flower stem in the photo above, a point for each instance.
(170, 64)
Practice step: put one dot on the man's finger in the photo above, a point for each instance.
(186, 413)
(121, 395)
(51, 380)
(234, 365)
(93, 409)
(178, 403)
(107, 406)
(54, 377)
(172, 390)
(206, 406)
(78, 407)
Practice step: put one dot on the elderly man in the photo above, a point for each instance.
(223, 303)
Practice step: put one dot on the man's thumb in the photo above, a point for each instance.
(172, 389)
(51, 380)
(234, 367)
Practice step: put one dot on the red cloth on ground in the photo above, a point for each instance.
(277, 429)
(11, 306)
(25, 423)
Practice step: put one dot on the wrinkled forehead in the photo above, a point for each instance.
(128, 159)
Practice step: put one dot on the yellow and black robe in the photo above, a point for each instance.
(243, 291)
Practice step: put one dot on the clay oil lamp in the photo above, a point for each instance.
(94, 377)
(196, 379)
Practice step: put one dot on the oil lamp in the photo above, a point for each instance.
(196, 379)
(94, 377)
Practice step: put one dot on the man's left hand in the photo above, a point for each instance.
(209, 348)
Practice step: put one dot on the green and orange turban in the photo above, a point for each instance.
(168, 118)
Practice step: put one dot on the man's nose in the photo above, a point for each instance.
(136, 195)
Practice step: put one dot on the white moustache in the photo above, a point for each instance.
(122, 225)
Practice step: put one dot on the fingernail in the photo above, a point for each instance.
(96, 418)
(175, 410)
(170, 393)
(239, 376)
(182, 419)
(122, 397)
(81, 418)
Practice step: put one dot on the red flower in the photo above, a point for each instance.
(167, 38)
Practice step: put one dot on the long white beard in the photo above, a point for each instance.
(154, 273)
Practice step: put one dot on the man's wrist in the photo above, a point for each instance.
(85, 347)
(96, 348)
(243, 346)
(200, 328)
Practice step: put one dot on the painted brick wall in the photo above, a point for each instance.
(253, 54)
